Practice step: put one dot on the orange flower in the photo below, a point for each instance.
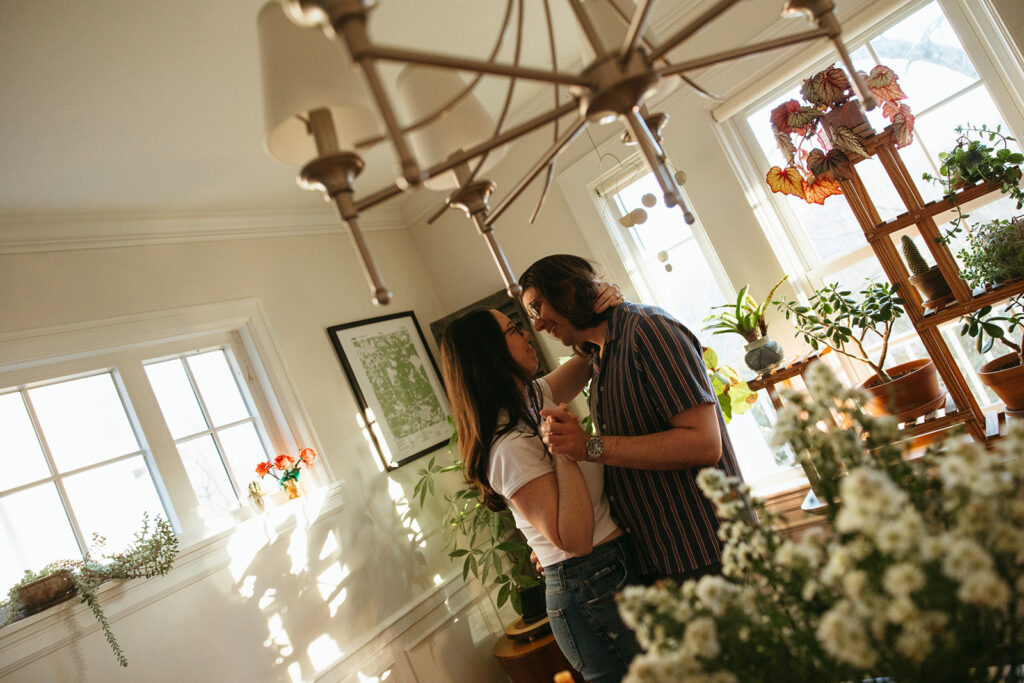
(283, 462)
(307, 455)
(263, 468)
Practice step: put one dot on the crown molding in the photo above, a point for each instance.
(25, 233)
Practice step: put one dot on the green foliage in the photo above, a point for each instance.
(835, 319)
(980, 153)
(915, 262)
(994, 252)
(151, 554)
(487, 543)
(734, 395)
(986, 327)
(745, 317)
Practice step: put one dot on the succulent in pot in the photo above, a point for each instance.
(927, 280)
(834, 318)
(831, 117)
(745, 317)
(1003, 375)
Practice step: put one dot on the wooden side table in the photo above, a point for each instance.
(529, 653)
(783, 374)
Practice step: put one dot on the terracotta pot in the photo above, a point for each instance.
(931, 284)
(1005, 380)
(42, 593)
(850, 115)
(914, 392)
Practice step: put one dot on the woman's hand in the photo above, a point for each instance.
(608, 295)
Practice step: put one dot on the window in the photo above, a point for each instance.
(944, 89)
(673, 266)
(93, 438)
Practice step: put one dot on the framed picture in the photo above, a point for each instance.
(396, 383)
(511, 307)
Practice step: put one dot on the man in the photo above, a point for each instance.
(657, 419)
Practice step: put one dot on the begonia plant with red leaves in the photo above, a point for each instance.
(284, 467)
(814, 175)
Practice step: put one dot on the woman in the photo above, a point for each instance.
(558, 504)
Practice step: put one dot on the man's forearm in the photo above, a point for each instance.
(674, 449)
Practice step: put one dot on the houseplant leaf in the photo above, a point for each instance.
(834, 165)
(849, 142)
(788, 181)
(821, 189)
(884, 84)
(826, 88)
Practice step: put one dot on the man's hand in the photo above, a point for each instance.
(562, 433)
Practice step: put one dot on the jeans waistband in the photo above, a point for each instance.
(562, 574)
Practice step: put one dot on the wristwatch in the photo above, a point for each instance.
(595, 449)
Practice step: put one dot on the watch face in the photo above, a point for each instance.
(595, 448)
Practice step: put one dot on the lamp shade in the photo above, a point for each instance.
(302, 70)
(422, 90)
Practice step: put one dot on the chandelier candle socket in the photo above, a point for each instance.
(339, 99)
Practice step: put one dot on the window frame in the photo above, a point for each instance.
(123, 345)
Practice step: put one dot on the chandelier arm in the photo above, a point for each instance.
(349, 213)
(430, 118)
(735, 53)
(859, 86)
(554, 57)
(437, 214)
(517, 52)
(393, 54)
(589, 32)
(635, 32)
(538, 166)
(691, 28)
(511, 284)
(654, 155)
(544, 191)
(384, 194)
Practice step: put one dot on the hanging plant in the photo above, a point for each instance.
(814, 174)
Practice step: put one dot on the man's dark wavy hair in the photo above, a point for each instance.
(570, 284)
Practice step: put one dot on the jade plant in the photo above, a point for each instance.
(814, 175)
(151, 554)
(987, 327)
(980, 153)
(835, 319)
(745, 317)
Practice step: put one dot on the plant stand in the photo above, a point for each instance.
(963, 409)
(529, 653)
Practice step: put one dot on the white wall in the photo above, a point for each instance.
(326, 587)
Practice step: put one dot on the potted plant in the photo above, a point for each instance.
(151, 554)
(833, 318)
(980, 153)
(994, 252)
(746, 318)
(733, 394)
(927, 280)
(834, 119)
(486, 542)
(1005, 374)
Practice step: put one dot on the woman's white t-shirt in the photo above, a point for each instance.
(517, 458)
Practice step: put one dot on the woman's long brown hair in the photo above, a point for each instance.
(485, 385)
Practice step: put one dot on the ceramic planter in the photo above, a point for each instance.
(932, 286)
(914, 392)
(762, 354)
(42, 593)
(1005, 379)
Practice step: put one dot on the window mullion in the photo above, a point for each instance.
(212, 429)
(45, 447)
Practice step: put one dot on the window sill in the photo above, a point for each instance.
(233, 549)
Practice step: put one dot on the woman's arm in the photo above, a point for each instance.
(558, 506)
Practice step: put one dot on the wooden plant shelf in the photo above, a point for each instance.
(940, 210)
(980, 299)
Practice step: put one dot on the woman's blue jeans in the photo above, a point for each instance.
(583, 614)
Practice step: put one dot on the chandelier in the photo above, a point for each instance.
(325, 102)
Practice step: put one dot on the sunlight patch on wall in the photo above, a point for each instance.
(404, 510)
(323, 652)
(438, 580)
(246, 590)
(297, 550)
(373, 679)
(336, 602)
(329, 579)
(278, 637)
(330, 545)
(267, 599)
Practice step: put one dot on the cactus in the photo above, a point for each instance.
(916, 262)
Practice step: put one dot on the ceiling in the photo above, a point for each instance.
(115, 106)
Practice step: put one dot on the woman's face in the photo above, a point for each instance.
(517, 340)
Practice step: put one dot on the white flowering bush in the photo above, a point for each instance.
(917, 576)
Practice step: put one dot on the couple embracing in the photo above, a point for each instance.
(604, 511)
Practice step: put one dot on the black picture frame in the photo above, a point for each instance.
(397, 385)
(511, 307)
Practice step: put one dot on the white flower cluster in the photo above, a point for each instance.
(919, 575)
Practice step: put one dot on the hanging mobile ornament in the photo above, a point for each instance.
(639, 216)
(649, 200)
(663, 257)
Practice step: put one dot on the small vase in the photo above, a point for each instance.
(762, 354)
(291, 487)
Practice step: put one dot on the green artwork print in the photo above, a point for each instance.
(400, 382)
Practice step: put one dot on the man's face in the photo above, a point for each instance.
(547, 319)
